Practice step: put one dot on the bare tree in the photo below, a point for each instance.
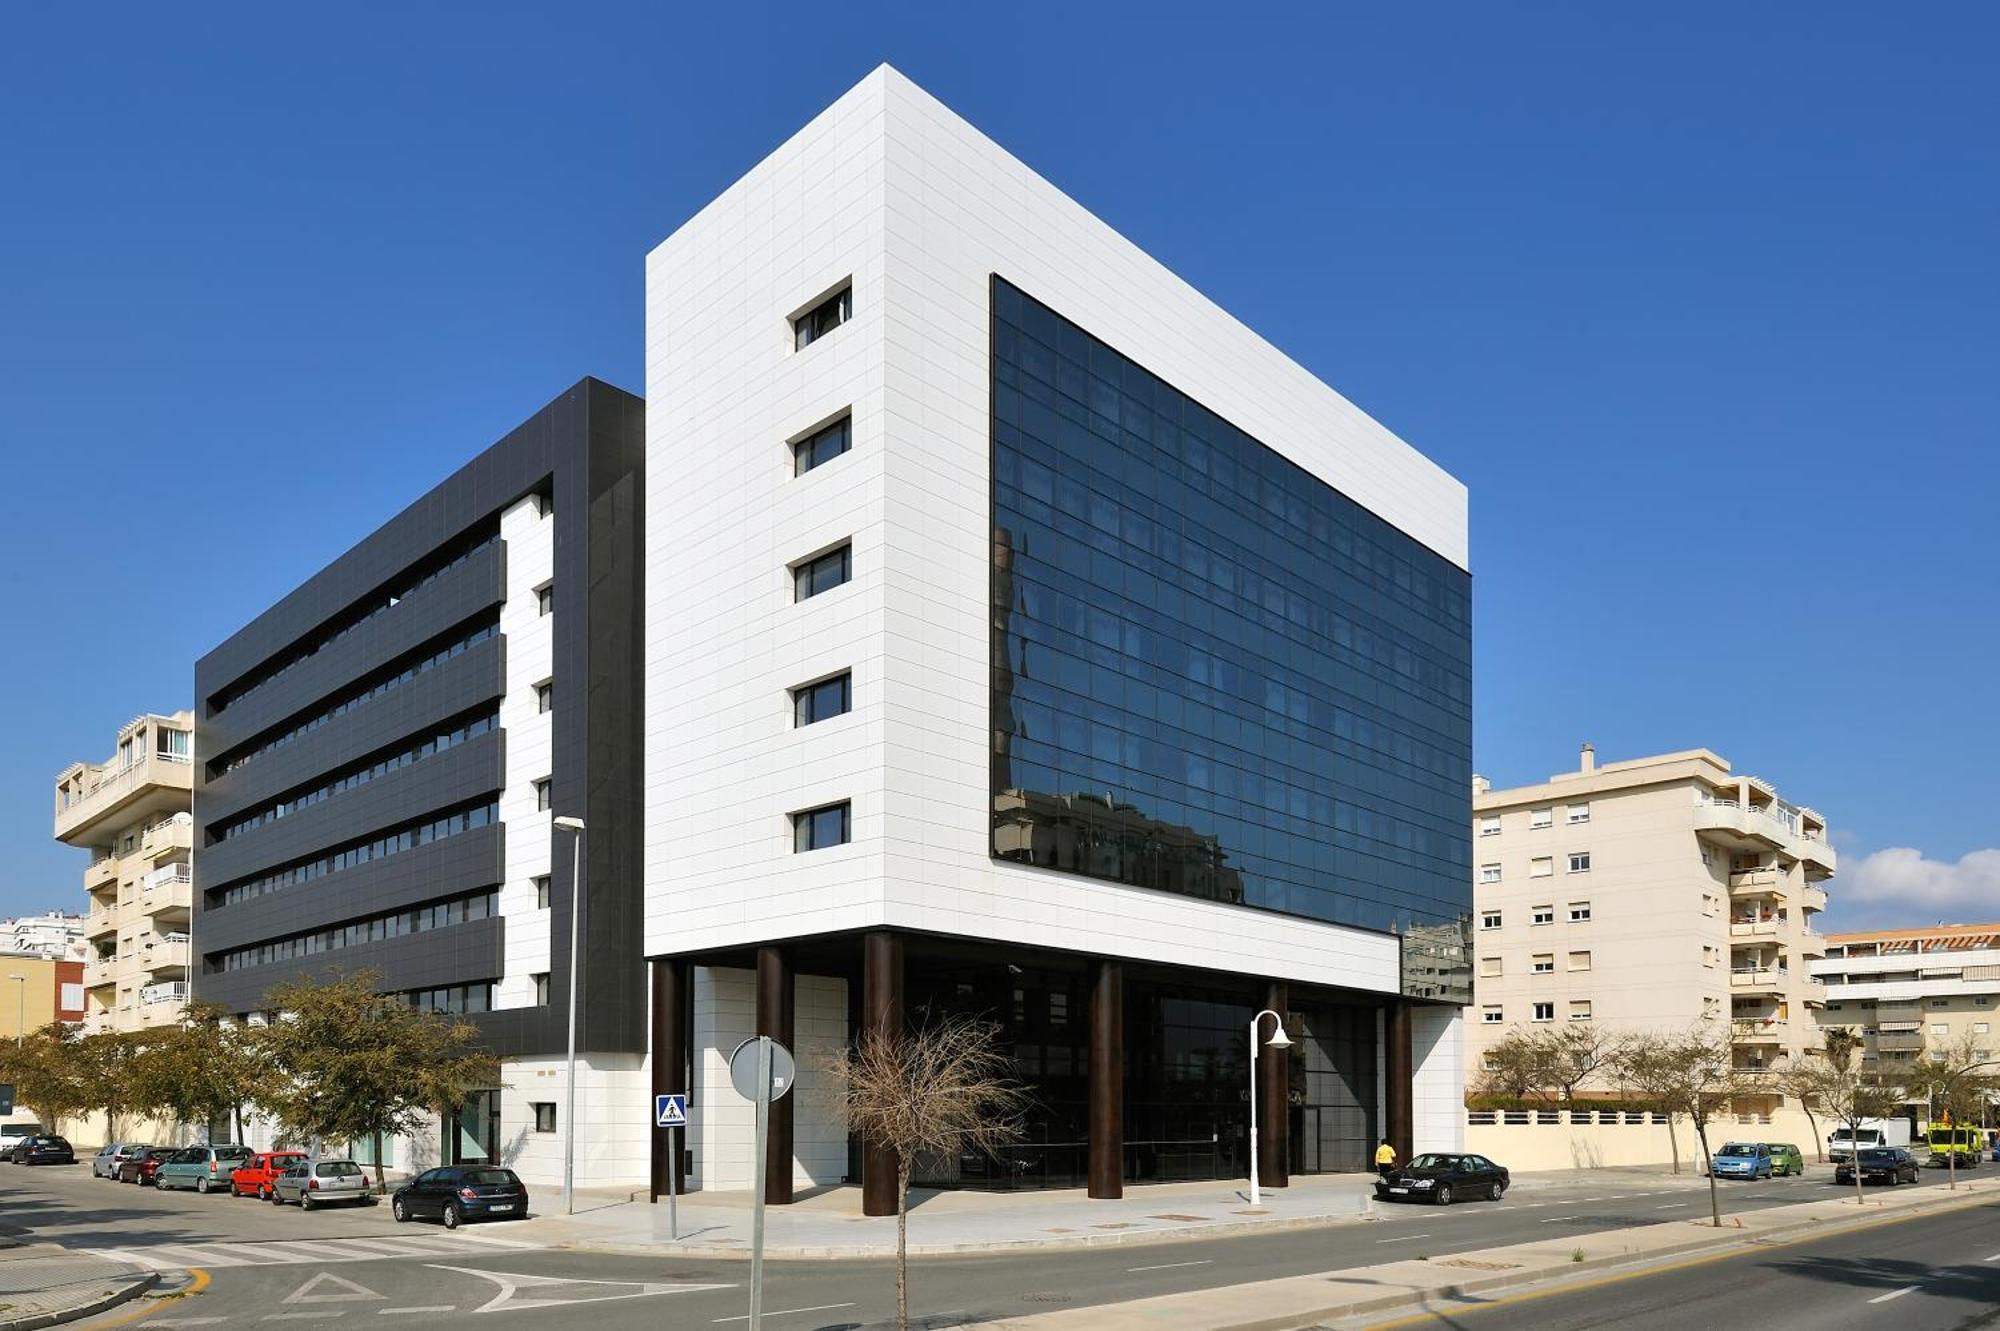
(1692, 1074)
(1801, 1078)
(1851, 1095)
(1945, 1080)
(1572, 1055)
(1515, 1066)
(942, 1089)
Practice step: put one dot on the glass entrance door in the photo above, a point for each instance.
(472, 1136)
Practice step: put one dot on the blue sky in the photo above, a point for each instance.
(1699, 301)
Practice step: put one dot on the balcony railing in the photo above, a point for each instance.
(1764, 928)
(169, 874)
(1894, 1040)
(173, 992)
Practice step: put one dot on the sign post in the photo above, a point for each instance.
(671, 1112)
(761, 1070)
(6, 1098)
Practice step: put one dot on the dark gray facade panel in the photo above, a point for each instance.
(478, 675)
(478, 584)
(464, 863)
(445, 780)
(461, 954)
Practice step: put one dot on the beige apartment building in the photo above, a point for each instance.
(1647, 895)
(1908, 991)
(131, 812)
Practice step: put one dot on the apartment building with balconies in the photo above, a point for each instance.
(1648, 895)
(132, 813)
(1911, 991)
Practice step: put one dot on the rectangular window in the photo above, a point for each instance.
(823, 574)
(1579, 961)
(1978, 1028)
(545, 1115)
(1489, 1015)
(1937, 1028)
(543, 789)
(1542, 866)
(1940, 1002)
(1545, 1012)
(545, 599)
(1579, 911)
(1489, 919)
(1489, 824)
(817, 702)
(541, 891)
(1544, 963)
(822, 446)
(541, 983)
(545, 697)
(822, 318)
(1579, 813)
(1489, 873)
(1579, 862)
(1541, 817)
(1542, 915)
(1707, 857)
(816, 829)
(1488, 966)
(174, 745)
(1579, 1009)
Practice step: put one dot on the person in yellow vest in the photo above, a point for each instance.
(1385, 1159)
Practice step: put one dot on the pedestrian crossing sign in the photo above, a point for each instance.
(670, 1111)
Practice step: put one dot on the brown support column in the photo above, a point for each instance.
(1107, 1081)
(774, 1018)
(1398, 1068)
(1274, 1103)
(881, 1013)
(669, 1070)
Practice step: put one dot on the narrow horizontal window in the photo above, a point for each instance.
(817, 702)
(822, 446)
(823, 318)
(823, 574)
(816, 829)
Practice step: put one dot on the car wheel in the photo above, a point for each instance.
(276, 1200)
(305, 1201)
(400, 1209)
(201, 1186)
(1443, 1195)
(1498, 1189)
(452, 1218)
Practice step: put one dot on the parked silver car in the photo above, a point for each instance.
(105, 1163)
(320, 1184)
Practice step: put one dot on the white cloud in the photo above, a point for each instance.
(1898, 886)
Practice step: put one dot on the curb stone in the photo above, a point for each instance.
(132, 1289)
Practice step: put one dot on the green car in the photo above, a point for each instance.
(1785, 1159)
(201, 1168)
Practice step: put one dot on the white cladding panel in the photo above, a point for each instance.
(891, 190)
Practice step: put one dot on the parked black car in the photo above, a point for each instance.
(43, 1151)
(458, 1193)
(1879, 1164)
(1443, 1178)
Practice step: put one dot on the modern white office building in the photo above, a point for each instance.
(1026, 637)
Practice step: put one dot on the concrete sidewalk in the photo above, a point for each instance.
(43, 1284)
(1446, 1284)
(828, 1223)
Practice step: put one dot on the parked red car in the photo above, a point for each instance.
(255, 1176)
(143, 1164)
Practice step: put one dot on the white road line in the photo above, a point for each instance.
(1894, 1294)
(427, 1308)
(296, 1317)
(1168, 1266)
(1668, 1207)
(783, 1312)
(1994, 1258)
(1405, 1238)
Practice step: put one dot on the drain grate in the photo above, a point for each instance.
(1045, 1296)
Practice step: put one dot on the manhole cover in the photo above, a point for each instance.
(1045, 1297)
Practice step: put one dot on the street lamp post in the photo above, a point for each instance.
(1278, 1040)
(574, 826)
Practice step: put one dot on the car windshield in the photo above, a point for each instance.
(1433, 1162)
(491, 1178)
(1739, 1148)
(1879, 1156)
(339, 1169)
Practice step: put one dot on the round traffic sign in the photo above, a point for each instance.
(743, 1069)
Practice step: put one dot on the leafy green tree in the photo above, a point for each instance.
(106, 1064)
(202, 1069)
(48, 1074)
(348, 1064)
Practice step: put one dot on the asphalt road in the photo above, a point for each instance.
(263, 1263)
(1924, 1274)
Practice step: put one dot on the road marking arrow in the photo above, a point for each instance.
(511, 1283)
(345, 1291)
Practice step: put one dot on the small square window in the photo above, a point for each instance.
(543, 789)
(816, 829)
(1544, 963)
(822, 574)
(545, 697)
(1488, 966)
(1579, 912)
(1579, 1009)
(1542, 915)
(821, 701)
(1489, 824)
(1489, 919)
(1937, 1028)
(1541, 817)
(822, 446)
(1579, 813)
(1489, 873)
(1579, 961)
(541, 891)
(1940, 1002)
(1579, 862)
(1545, 1012)
(822, 318)
(545, 599)
(1488, 1015)
(545, 1115)
(1978, 1028)
(541, 983)
(1542, 866)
